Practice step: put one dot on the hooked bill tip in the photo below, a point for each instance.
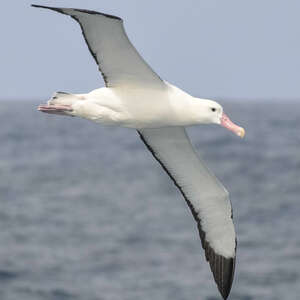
(241, 133)
(227, 123)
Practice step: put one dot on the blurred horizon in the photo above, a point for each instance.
(220, 100)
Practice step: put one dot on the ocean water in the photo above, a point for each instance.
(87, 213)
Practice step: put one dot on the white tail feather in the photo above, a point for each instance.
(64, 98)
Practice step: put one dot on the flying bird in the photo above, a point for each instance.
(134, 96)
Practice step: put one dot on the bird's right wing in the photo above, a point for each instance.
(118, 60)
(204, 194)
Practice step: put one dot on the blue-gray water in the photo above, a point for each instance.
(86, 213)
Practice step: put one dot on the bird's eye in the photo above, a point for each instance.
(213, 109)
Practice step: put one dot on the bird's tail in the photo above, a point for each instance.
(63, 98)
(60, 104)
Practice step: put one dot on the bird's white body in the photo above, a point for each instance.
(141, 108)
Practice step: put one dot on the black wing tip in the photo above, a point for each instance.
(43, 6)
(48, 7)
(223, 275)
(222, 268)
(91, 12)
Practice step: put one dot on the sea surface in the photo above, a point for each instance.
(86, 213)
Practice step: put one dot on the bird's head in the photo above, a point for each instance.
(212, 112)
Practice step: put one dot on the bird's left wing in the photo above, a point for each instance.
(118, 60)
(204, 194)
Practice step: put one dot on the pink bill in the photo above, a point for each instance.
(227, 123)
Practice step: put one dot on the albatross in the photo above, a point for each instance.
(134, 96)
